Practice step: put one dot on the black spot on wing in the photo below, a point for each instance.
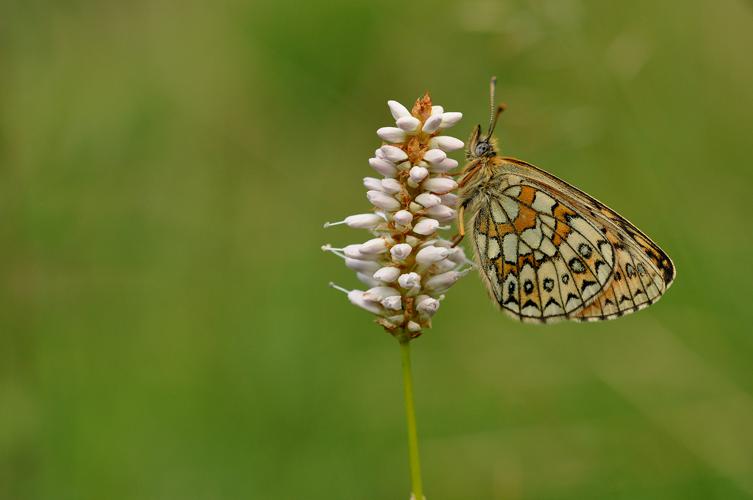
(550, 302)
(529, 302)
(586, 284)
(585, 250)
(576, 266)
(629, 270)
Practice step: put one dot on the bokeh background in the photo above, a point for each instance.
(166, 330)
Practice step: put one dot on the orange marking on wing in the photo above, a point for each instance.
(534, 295)
(560, 211)
(528, 257)
(613, 239)
(526, 218)
(504, 268)
(489, 228)
(527, 194)
(561, 232)
(503, 229)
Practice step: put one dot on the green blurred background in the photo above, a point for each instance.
(166, 330)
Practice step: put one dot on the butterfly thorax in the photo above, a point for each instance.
(482, 179)
(484, 172)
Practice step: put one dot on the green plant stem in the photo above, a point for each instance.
(410, 416)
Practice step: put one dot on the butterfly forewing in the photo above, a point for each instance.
(548, 251)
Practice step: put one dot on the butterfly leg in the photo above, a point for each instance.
(461, 227)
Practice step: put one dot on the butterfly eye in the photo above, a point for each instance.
(482, 148)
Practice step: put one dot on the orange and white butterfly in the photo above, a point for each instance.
(548, 251)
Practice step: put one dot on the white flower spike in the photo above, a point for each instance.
(406, 266)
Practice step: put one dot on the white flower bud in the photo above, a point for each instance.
(372, 183)
(437, 110)
(387, 274)
(440, 185)
(391, 134)
(414, 327)
(428, 199)
(362, 266)
(432, 124)
(373, 246)
(408, 123)
(382, 200)
(425, 226)
(443, 266)
(379, 292)
(435, 155)
(400, 252)
(391, 186)
(394, 154)
(427, 305)
(359, 221)
(398, 110)
(417, 174)
(443, 281)
(450, 199)
(441, 212)
(450, 118)
(356, 298)
(449, 163)
(431, 254)
(394, 303)
(403, 217)
(444, 166)
(367, 280)
(445, 143)
(354, 252)
(409, 280)
(384, 167)
(458, 256)
(415, 207)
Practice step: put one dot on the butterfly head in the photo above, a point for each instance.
(481, 146)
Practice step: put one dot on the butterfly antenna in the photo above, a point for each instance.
(492, 92)
(494, 110)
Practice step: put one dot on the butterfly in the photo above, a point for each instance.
(546, 250)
